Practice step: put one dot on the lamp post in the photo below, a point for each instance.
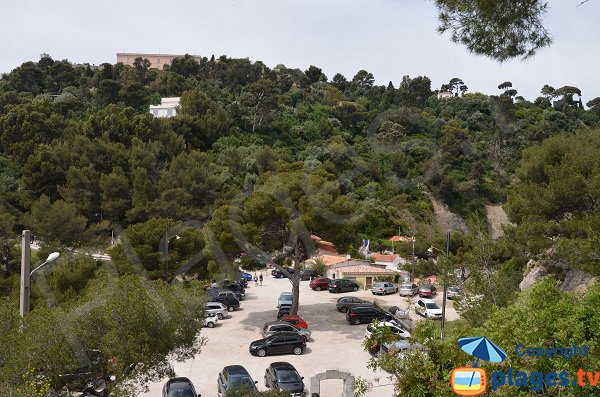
(167, 239)
(444, 279)
(26, 274)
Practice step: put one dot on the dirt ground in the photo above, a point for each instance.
(335, 344)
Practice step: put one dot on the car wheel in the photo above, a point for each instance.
(305, 338)
(210, 325)
(318, 289)
(297, 350)
(343, 309)
(355, 289)
(356, 321)
(220, 316)
(230, 308)
(261, 353)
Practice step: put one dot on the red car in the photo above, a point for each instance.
(295, 320)
(319, 284)
(427, 291)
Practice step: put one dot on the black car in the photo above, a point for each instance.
(342, 285)
(281, 343)
(179, 387)
(277, 273)
(236, 288)
(225, 297)
(243, 282)
(283, 310)
(235, 377)
(283, 376)
(346, 302)
(308, 274)
(366, 314)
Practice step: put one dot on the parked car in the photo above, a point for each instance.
(308, 274)
(399, 314)
(408, 289)
(243, 282)
(234, 377)
(284, 377)
(225, 297)
(428, 308)
(342, 285)
(346, 302)
(277, 273)
(295, 320)
(236, 288)
(394, 328)
(211, 320)
(395, 347)
(283, 311)
(281, 343)
(320, 283)
(285, 299)
(246, 276)
(274, 327)
(366, 313)
(217, 308)
(454, 292)
(427, 291)
(383, 288)
(179, 387)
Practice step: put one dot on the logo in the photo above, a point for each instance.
(472, 381)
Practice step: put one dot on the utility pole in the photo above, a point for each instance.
(445, 278)
(25, 272)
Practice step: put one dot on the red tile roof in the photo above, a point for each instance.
(384, 257)
(401, 238)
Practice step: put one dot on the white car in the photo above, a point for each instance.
(394, 327)
(211, 320)
(428, 308)
(285, 299)
(216, 308)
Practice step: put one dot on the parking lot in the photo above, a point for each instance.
(334, 344)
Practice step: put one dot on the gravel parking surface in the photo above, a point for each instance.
(334, 344)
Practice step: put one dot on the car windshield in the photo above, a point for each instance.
(285, 298)
(287, 376)
(407, 286)
(432, 306)
(180, 389)
(238, 381)
(426, 287)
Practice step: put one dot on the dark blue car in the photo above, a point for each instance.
(246, 276)
(235, 377)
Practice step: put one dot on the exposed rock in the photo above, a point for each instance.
(446, 218)
(570, 279)
(535, 272)
(496, 218)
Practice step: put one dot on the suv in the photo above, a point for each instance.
(383, 288)
(225, 297)
(428, 308)
(366, 314)
(319, 284)
(236, 288)
(180, 386)
(217, 308)
(346, 302)
(342, 285)
(280, 343)
(234, 377)
(274, 327)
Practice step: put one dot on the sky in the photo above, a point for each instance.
(389, 38)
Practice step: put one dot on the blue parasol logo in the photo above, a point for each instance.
(482, 349)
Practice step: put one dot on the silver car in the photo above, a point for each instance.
(409, 289)
(217, 308)
(383, 288)
(273, 327)
(285, 299)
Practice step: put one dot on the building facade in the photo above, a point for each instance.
(157, 61)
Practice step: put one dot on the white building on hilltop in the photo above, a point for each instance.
(169, 107)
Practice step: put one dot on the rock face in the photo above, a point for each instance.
(496, 218)
(447, 219)
(570, 279)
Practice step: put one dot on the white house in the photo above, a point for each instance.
(169, 107)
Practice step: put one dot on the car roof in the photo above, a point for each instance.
(235, 370)
(282, 365)
(215, 303)
(286, 293)
(277, 322)
(427, 300)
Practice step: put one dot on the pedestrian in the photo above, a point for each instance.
(255, 280)
(214, 284)
(260, 278)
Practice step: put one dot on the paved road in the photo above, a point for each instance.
(334, 344)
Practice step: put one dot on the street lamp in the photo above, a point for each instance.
(444, 279)
(26, 274)
(167, 239)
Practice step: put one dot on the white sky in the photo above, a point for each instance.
(389, 38)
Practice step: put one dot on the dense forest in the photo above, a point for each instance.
(257, 152)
